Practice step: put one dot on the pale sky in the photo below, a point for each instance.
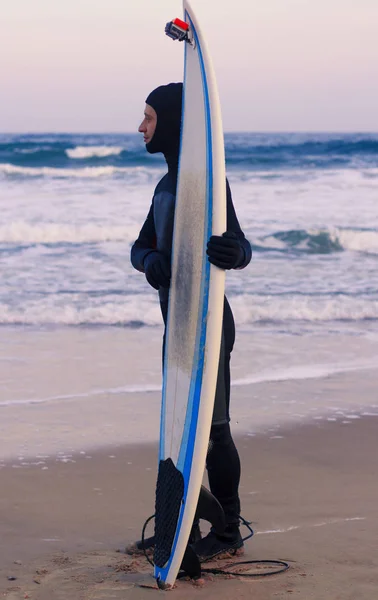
(281, 65)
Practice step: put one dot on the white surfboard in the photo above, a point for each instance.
(195, 310)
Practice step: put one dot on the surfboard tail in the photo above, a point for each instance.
(169, 499)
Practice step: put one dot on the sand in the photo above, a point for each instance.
(311, 492)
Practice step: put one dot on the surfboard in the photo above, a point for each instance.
(195, 312)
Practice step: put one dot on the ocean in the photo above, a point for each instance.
(72, 204)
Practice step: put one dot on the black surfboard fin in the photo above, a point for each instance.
(209, 509)
(190, 565)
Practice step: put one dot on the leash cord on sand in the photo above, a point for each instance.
(143, 534)
(284, 567)
(214, 571)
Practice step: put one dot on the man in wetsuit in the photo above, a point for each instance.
(151, 254)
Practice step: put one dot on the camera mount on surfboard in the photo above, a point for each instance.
(178, 30)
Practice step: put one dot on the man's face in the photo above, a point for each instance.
(148, 125)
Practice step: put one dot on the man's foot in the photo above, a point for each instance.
(138, 548)
(219, 546)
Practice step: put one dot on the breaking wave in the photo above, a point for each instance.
(133, 174)
(81, 152)
(249, 151)
(137, 310)
(319, 241)
(20, 232)
(298, 241)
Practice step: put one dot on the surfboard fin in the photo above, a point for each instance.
(191, 565)
(209, 509)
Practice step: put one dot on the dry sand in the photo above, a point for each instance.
(311, 492)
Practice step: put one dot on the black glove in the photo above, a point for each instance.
(157, 270)
(225, 251)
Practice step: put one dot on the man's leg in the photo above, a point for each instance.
(223, 469)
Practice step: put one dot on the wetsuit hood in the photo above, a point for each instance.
(166, 100)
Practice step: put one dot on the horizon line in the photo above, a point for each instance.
(233, 131)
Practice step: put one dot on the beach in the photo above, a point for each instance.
(69, 501)
(310, 494)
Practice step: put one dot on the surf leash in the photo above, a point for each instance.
(281, 565)
(284, 566)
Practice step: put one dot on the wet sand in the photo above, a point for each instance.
(311, 492)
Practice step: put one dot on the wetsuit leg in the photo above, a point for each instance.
(223, 470)
(221, 413)
(222, 462)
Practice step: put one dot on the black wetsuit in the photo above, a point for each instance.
(222, 462)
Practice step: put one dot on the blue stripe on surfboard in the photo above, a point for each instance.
(185, 459)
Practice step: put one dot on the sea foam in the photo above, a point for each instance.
(21, 232)
(93, 151)
(133, 174)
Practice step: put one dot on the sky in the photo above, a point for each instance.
(281, 65)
